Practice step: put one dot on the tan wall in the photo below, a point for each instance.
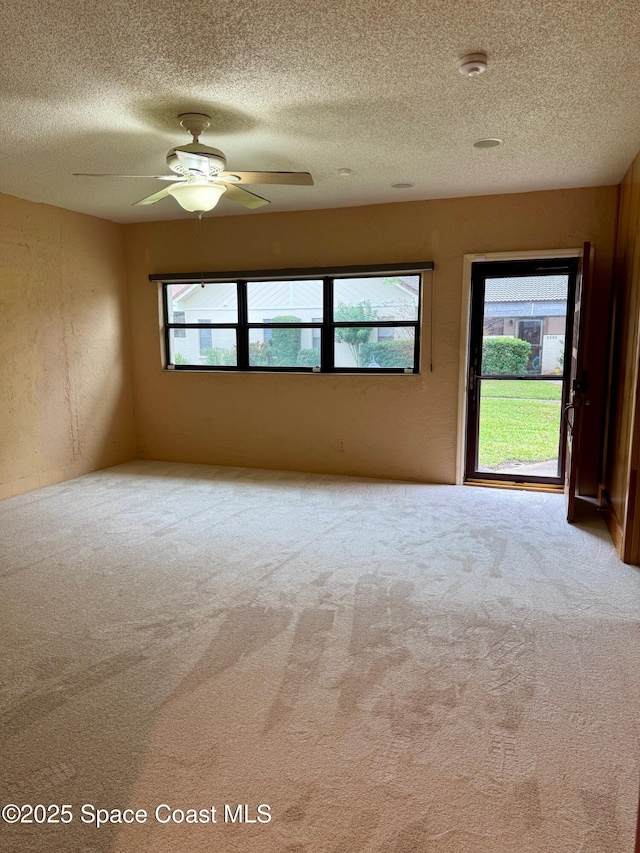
(392, 426)
(624, 430)
(65, 377)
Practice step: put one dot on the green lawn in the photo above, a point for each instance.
(519, 422)
(522, 388)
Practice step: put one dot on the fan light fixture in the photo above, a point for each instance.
(197, 196)
(202, 176)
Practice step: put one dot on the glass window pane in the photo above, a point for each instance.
(315, 337)
(283, 348)
(193, 303)
(374, 347)
(524, 325)
(209, 347)
(284, 301)
(519, 426)
(392, 297)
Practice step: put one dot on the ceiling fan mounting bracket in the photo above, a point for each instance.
(195, 123)
(195, 158)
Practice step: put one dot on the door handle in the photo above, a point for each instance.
(565, 414)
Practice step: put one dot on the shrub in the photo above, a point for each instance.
(178, 358)
(388, 353)
(363, 312)
(260, 354)
(285, 343)
(308, 358)
(505, 355)
(219, 355)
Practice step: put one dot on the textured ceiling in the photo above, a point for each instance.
(291, 85)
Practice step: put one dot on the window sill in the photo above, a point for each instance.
(290, 372)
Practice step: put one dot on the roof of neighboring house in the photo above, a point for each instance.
(411, 282)
(534, 288)
(178, 289)
(552, 308)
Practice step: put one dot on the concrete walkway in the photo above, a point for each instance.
(548, 468)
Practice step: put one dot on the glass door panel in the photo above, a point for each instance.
(519, 427)
(517, 371)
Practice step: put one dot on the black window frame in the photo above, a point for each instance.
(327, 327)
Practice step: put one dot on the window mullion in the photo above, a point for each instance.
(167, 330)
(327, 354)
(243, 329)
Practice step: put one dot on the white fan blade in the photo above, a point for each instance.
(244, 197)
(152, 199)
(108, 175)
(298, 178)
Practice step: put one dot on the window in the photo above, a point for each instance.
(347, 320)
(530, 330)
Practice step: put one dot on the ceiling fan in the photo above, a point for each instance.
(200, 178)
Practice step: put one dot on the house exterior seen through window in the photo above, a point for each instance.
(533, 310)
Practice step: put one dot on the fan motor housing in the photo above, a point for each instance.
(215, 158)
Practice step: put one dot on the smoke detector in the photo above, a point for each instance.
(473, 65)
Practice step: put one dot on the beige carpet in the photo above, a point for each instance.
(390, 668)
